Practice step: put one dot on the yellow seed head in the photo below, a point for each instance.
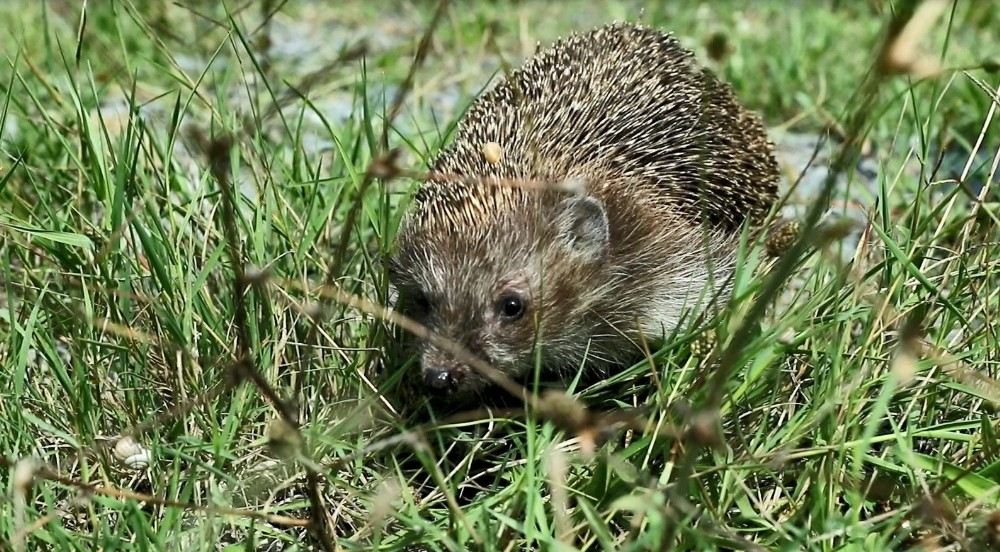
(492, 152)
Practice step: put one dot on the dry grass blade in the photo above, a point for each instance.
(382, 165)
(218, 152)
(383, 162)
(901, 53)
(785, 265)
(30, 472)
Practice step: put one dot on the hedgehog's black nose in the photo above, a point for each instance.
(440, 381)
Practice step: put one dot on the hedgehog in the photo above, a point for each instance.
(586, 204)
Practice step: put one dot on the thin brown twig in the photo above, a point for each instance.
(49, 474)
(269, 10)
(245, 367)
(418, 61)
(218, 151)
(375, 169)
(381, 165)
(139, 336)
(385, 159)
(306, 83)
(728, 358)
(176, 411)
(866, 96)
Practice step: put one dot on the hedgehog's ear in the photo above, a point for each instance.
(582, 224)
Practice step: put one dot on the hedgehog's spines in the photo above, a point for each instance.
(623, 100)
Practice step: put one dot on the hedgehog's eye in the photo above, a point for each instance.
(510, 306)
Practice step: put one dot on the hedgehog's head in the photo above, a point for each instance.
(499, 270)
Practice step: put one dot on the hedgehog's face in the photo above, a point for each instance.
(491, 288)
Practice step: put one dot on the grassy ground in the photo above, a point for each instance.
(858, 414)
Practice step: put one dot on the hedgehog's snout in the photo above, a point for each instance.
(442, 374)
(440, 381)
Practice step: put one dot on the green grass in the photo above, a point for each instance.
(859, 414)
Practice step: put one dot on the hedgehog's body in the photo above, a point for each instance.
(669, 167)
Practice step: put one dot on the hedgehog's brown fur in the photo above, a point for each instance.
(675, 164)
